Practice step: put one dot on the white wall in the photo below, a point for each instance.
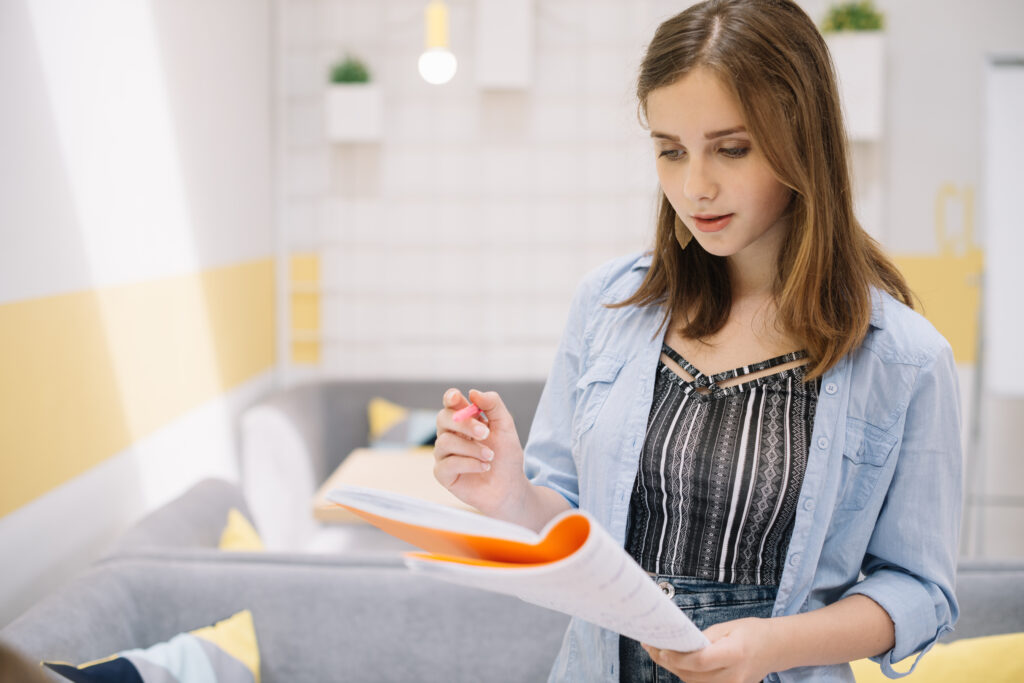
(137, 145)
(549, 181)
(451, 248)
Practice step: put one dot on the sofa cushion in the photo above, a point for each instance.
(239, 534)
(278, 478)
(226, 652)
(396, 426)
(993, 659)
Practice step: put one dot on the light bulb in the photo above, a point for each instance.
(437, 65)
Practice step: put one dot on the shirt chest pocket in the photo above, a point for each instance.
(592, 391)
(865, 454)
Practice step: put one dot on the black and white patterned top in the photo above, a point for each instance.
(720, 473)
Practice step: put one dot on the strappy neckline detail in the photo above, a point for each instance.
(710, 382)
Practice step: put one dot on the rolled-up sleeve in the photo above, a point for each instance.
(548, 452)
(910, 564)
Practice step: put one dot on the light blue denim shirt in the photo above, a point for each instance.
(879, 510)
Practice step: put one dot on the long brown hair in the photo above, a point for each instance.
(772, 57)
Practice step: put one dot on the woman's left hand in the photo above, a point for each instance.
(740, 652)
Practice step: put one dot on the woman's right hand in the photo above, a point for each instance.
(480, 461)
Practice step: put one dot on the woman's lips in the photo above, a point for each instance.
(712, 223)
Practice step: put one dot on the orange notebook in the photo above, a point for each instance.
(573, 565)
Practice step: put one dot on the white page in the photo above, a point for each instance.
(599, 583)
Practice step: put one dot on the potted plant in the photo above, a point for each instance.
(853, 16)
(353, 103)
(853, 31)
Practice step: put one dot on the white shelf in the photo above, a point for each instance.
(859, 58)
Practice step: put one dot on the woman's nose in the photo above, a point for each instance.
(698, 184)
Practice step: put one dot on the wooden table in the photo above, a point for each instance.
(409, 472)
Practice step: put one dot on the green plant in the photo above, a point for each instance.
(859, 15)
(350, 70)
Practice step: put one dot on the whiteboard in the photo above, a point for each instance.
(1003, 149)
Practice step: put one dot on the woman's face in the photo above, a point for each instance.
(711, 170)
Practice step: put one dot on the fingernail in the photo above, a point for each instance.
(481, 432)
(485, 466)
(488, 453)
(448, 396)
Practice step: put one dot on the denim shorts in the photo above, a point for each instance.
(706, 603)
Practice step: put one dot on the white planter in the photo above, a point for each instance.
(859, 57)
(353, 112)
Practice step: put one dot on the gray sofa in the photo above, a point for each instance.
(314, 620)
(353, 616)
(318, 617)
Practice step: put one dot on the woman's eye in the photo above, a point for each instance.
(671, 153)
(735, 152)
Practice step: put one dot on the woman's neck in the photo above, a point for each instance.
(754, 271)
(752, 277)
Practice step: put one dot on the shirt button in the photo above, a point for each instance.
(831, 388)
(822, 442)
(809, 504)
(794, 559)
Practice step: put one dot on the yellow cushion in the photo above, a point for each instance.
(396, 426)
(237, 637)
(239, 534)
(992, 659)
(383, 415)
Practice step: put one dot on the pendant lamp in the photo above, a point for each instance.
(437, 64)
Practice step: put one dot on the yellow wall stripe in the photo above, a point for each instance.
(304, 281)
(86, 374)
(948, 283)
(949, 289)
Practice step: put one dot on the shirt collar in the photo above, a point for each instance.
(877, 309)
(643, 261)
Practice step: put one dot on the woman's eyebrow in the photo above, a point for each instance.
(723, 133)
(707, 136)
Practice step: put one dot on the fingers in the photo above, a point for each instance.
(492, 406)
(472, 429)
(449, 468)
(454, 399)
(450, 443)
(459, 449)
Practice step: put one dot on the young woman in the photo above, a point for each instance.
(752, 408)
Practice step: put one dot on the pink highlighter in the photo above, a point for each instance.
(466, 413)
